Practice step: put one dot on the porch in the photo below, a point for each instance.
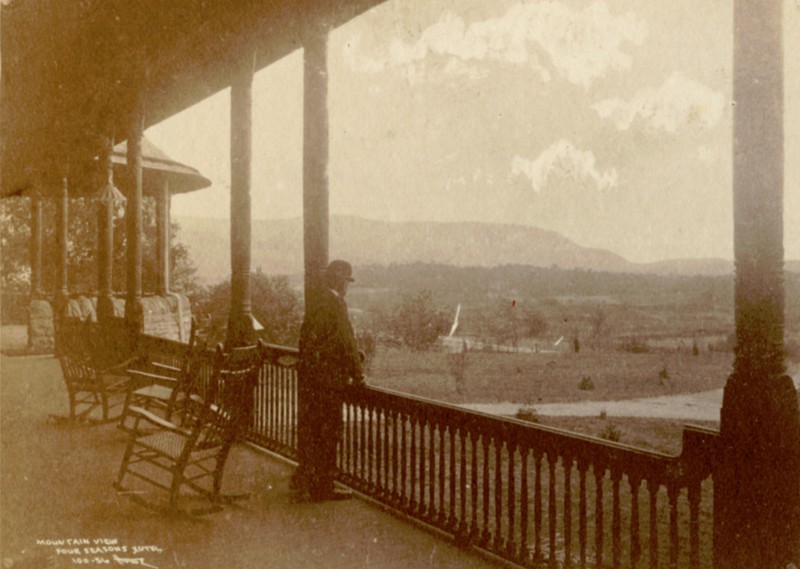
(61, 479)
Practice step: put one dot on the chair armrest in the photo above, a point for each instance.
(120, 368)
(152, 377)
(200, 401)
(165, 369)
(156, 420)
(165, 366)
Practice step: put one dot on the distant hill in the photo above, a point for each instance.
(278, 247)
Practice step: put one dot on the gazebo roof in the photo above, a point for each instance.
(155, 165)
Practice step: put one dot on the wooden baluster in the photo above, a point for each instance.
(370, 449)
(616, 520)
(359, 472)
(486, 535)
(415, 427)
(498, 495)
(537, 507)
(674, 539)
(511, 542)
(599, 473)
(378, 451)
(351, 414)
(522, 555)
(432, 468)
(652, 492)
(462, 483)
(423, 468)
(567, 464)
(292, 410)
(473, 481)
(404, 494)
(583, 467)
(636, 546)
(452, 520)
(694, 525)
(552, 459)
(283, 377)
(442, 511)
(395, 456)
(384, 490)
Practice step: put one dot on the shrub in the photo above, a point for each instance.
(695, 349)
(528, 413)
(610, 433)
(603, 415)
(457, 362)
(366, 343)
(586, 384)
(663, 376)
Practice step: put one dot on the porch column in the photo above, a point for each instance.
(240, 320)
(315, 161)
(62, 261)
(315, 224)
(756, 490)
(105, 241)
(37, 240)
(62, 241)
(134, 315)
(163, 204)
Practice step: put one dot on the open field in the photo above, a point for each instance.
(531, 378)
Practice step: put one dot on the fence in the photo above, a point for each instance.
(531, 494)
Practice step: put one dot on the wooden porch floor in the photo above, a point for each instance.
(55, 484)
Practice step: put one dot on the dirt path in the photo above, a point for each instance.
(703, 406)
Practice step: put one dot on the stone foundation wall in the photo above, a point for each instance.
(164, 316)
(167, 317)
(41, 332)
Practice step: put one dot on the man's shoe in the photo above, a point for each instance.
(334, 494)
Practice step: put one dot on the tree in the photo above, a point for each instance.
(275, 305)
(535, 323)
(15, 237)
(417, 322)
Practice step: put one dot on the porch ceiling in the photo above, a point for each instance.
(69, 69)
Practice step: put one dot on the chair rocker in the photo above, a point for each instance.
(89, 388)
(192, 455)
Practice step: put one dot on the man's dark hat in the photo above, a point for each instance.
(342, 269)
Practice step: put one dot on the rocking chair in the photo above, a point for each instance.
(193, 455)
(159, 387)
(89, 388)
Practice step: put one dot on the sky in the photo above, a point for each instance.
(608, 121)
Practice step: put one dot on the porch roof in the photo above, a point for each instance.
(70, 69)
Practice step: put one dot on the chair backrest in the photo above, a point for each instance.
(79, 374)
(229, 396)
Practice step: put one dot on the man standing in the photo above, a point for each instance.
(329, 362)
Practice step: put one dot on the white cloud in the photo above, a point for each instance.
(565, 161)
(680, 102)
(582, 45)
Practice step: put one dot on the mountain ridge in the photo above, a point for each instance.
(277, 247)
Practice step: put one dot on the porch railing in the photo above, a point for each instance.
(531, 494)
